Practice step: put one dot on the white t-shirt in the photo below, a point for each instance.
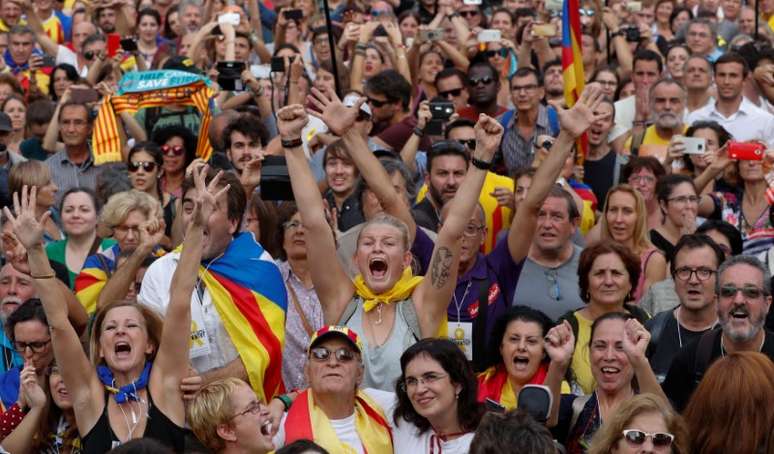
(405, 438)
(65, 55)
(750, 122)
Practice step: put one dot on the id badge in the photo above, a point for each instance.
(200, 340)
(461, 333)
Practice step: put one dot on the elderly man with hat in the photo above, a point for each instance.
(333, 411)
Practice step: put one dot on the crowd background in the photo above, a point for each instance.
(248, 225)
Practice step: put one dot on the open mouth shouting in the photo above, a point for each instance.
(378, 268)
(122, 350)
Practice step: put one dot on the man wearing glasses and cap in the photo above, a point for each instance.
(743, 295)
(333, 412)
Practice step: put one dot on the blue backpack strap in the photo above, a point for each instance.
(553, 121)
(506, 118)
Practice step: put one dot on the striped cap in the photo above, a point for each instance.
(336, 330)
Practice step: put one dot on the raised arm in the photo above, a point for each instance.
(341, 121)
(45, 41)
(331, 282)
(358, 60)
(573, 122)
(432, 296)
(635, 344)
(559, 345)
(78, 373)
(408, 154)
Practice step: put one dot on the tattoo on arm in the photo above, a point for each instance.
(441, 266)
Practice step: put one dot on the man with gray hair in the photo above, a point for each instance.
(701, 38)
(743, 295)
(667, 106)
(15, 288)
(190, 12)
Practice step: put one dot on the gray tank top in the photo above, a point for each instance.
(382, 363)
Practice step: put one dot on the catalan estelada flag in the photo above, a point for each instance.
(572, 61)
(249, 294)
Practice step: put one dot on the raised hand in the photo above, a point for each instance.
(28, 230)
(560, 343)
(488, 134)
(721, 160)
(336, 115)
(151, 233)
(207, 195)
(636, 339)
(291, 120)
(579, 118)
(424, 115)
(396, 38)
(504, 196)
(251, 173)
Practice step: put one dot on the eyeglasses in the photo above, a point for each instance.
(641, 179)
(685, 273)
(683, 199)
(638, 437)
(376, 103)
(343, 355)
(526, 88)
(292, 225)
(177, 150)
(553, 291)
(481, 80)
(469, 13)
(469, 143)
(148, 166)
(493, 53)
(472, 229)
(36, 347)
(607, 83)
(748, 291)
(454, 93)
(426, 379)
(124, 229)
(586, 12)
(255, 408)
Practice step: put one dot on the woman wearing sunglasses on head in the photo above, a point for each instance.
(643, 424)
(178, 146)
(145, 164)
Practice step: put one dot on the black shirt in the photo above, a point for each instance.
(681, 379)
(666, 344)
(662, 243)
(599, 175)
(426, 215)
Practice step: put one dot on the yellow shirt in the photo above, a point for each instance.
(5, 28)
(53, 27)
(652, 144)
(581, 365)
(497, 217)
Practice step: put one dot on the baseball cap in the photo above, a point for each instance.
(351, 99)
(5, 122)
(329, 331)
(181, 63)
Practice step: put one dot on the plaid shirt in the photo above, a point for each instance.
(517, 151)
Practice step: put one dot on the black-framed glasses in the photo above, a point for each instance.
(659, 439)
(453, 93)
(685, 273)
(377, 103)
(36, 347)
(683, 199)
(255, 408)
(527, 88)
(343, 355)
(553, 278)
(469, 143)
(148, 166)
(426, 379)
(748, 291)
(472, 229)
(486, 80)
(503, 52)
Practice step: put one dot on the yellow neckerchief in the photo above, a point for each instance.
(370, 425)
(399, 292)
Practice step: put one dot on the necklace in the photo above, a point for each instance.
(135, 421)
(379, 314)
(723, 345)
(458, 304)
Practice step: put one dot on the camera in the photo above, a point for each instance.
(632, 34)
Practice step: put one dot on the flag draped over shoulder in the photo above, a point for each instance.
(91, 280)
(572, 61)
(249, 294)
(139, 90)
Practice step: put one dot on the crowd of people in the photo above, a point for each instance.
(264, 226)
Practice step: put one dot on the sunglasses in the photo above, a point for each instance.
(89, 55)
(148, 166)
(638, 437)
(177, 150)
(454, 93)
(471, 13)
(376, 103)
(482, 80)
(469, 143)
(748, 291)
(586, 12)
(493, 53)
(343, 355)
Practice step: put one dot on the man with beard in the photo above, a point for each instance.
(553, 81)
(244, 140)
(693, 267)
(602, 166)
(743, 298)
(15, 288)
(190, 12)
(667, 104)
(732, 110)
(105, 18)
(447, 164)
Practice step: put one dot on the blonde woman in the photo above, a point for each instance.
(625, 221)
